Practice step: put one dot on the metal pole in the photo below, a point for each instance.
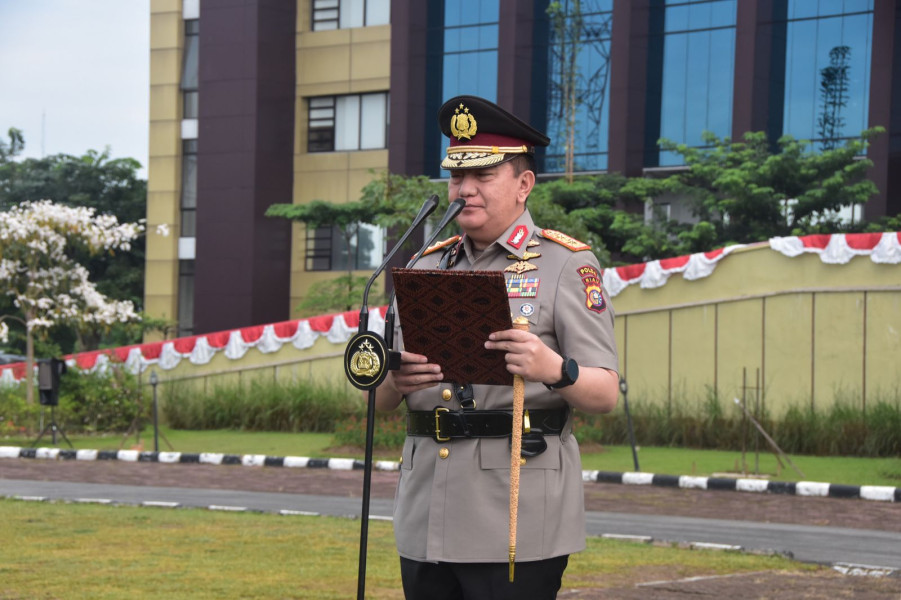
(156, 428)
(624, 388)
(53, 423)
(367, 484)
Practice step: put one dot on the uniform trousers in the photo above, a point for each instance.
(535, 580)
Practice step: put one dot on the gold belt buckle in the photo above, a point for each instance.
(438, 412)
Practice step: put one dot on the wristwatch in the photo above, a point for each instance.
(568, 376)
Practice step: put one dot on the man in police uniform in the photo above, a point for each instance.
(451, 509)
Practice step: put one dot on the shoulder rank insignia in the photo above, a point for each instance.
(439, 245)
(564, 240)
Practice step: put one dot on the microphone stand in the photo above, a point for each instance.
(366, 364)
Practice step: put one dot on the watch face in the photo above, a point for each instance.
(571, 370)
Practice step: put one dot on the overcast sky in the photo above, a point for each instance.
(74, 75)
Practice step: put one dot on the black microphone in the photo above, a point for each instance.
(455, 208)
(452, 211)
(428, 207)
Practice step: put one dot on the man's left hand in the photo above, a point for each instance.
(527, 355)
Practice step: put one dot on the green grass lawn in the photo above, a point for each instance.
(72, 551)
(671, 461)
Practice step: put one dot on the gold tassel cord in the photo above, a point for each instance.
(519, 396)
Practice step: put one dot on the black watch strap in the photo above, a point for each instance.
(568, 375)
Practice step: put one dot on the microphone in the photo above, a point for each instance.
(367, 358)
(455, 208)
(428, 207)
(452, 211)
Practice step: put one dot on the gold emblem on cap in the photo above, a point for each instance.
(463, 125)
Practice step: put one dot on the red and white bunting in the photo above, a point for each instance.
(882, 248)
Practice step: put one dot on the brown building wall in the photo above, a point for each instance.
(245, 144)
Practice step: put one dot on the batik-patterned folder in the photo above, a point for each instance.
(447, 316)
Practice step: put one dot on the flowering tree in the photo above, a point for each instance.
(38, 243)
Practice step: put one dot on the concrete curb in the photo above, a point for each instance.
(209, 458)
(800, 488)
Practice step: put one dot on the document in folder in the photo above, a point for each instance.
(448, 315)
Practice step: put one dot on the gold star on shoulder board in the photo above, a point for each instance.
(520, 267)
(533, 243)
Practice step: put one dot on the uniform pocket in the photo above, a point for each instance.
(406, 457)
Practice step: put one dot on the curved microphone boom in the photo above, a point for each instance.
(428, 207)
(455, 208)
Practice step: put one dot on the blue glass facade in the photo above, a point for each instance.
(587, 46)
(470, 48)
(697, 40)
(827, 69)
(669, 69)
(468, 61)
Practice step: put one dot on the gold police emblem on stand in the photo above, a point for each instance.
(463, 125)
(366, 360)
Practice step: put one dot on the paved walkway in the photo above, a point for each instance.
(827, 545)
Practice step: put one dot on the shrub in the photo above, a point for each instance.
(100, 402)
(389, 433)
(88, 403)
(261, 405)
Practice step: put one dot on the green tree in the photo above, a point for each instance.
(40, 248)
(346, 218)
(96, 181)
(389, 201)
(742, 192)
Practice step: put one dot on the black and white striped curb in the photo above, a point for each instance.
(800, 488)
(209, 458)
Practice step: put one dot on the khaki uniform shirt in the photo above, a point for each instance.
(456, 509)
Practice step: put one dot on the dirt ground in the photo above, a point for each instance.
(862, 514)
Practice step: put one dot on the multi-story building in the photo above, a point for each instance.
(256, 102)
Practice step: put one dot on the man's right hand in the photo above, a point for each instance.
(416, 373)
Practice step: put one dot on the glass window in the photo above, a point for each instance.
(580, 37)
(185, 297)
(345, 14)
(327, 248)
(469, 59)
(345, 123)
(698, 41)
(191, 55)
(321, 119)
(191, 104)
(373, 117)
(827, 70)
(188, 203)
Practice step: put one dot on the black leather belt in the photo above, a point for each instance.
(443, 424)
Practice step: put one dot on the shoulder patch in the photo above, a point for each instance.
(439, 245)
(564, 240)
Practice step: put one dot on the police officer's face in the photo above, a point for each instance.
(495, 197)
